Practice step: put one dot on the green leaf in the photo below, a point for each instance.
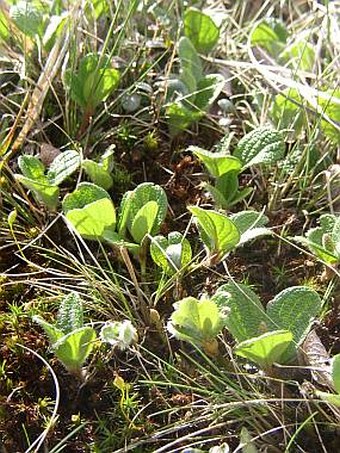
(107, 160)
(98, 175)
(4, 26)
(216, 163)
(84, 194)
(218, 197)
(201, 30)
(329, 397)
(288, 110)
(248, 445)
(94, 81)
(270, 35)
(63, 166)
(260, 146)
(336, 372)
(90, 211)
(336, 237)
(266, 349)
(294, 309)
(172, 253)
(181, 117)
(195, 321)
(70, 315)
(135, 200)
(191, 67)
(28, 16)
(245, 220)
(144, 221)
(53, 333)
(245, 314)
(250, 224)
(332, 109)
(95, 220)
(107, 81)
(74, 348)
(300, 55)
(208, 90)
(31, 167)
(42, 190)
(217, 231)
(315, 242)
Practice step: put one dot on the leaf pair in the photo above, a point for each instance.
(45, 185)
(286, 321)
(71, 341)
(221, 234)
(198, 322)
(92, 214)
(324, 240)
(261, 146)
(194, 91)
(172, 253)
(93, 82)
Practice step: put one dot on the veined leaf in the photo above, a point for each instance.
(245, 220)
(84, 194)
(266, 349)
(294, 309)
(260, 146)
(70, 315)
(218, 232)
(216, 163)
(201, 30)
(94, 220)
(208, 90)
(63, 166)
(135, 200)
(191, 66)
(97, 174)
(74, 348)
(172, 253)
(31, 167)
(195, 321)
(144, 221)
(54, 334)
(245, 313)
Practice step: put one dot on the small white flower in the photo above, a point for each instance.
(119, 334)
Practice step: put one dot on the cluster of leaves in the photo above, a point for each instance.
(271, 335)
(72, 342)
(264, 336)
(193, 91)
(298, 54)
(45, 185)
(324, 240)
(261, 146)
(222, 234)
